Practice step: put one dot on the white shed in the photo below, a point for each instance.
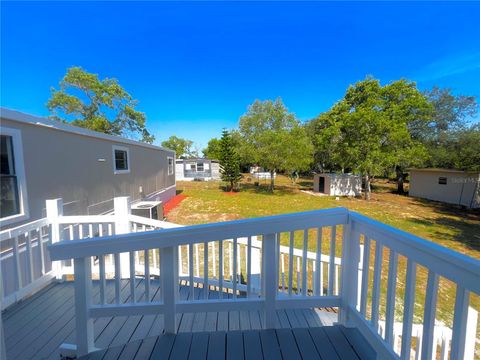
(446, 185)
(338, 184)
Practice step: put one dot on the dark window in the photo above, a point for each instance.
(200, 167)
(121, 160)
(442, 180)
(9, 198)
(170, 166)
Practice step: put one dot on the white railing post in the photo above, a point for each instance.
(169, 286)
(270, 279)
(121, 206)
(3, 351)
(83, 289)
(54, 211)
(350, 259)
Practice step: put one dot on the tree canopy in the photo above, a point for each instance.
(448, 134)
(183, 147)
(213, 149)
(274, 139)
(101, 105)
(368, 130)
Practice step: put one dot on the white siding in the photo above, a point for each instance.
(339, 184)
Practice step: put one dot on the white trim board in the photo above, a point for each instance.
(20, 117)
(114, 160)
(20, 174)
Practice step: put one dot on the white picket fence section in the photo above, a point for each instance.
(246, 259)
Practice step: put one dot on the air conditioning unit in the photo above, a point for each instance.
(148, 209)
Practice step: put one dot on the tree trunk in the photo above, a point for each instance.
(367, 187)
(272, 180)
(400, 180)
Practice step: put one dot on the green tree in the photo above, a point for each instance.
(448, 125)
(368, 130)
(461, 150)
(182, 147)
(274, 139)
(467, 146)
(450, 111)
(229, 161)
(213, 150)
(101, 105)
(405, 107)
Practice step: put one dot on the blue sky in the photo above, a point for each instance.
(195, 67)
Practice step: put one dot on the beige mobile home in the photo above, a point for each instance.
(44, 159)
(446, 185)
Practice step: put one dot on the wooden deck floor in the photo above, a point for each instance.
(329, 342)
(36, 327)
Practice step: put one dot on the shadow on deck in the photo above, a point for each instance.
(36, 327)
(329, 342)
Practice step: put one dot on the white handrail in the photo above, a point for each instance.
(22, 229)
(24, 258)
(221, 254)
(450, 264)
(197, 234)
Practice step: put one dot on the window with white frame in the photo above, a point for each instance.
(170, 165)
(121, 160)
(200, 167)
(13, 205)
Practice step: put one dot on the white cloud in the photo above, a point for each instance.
(448, 66)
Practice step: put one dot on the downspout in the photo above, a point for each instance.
(461, 194)
(475, 191)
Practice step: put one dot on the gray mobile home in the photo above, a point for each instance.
(197, 169)
(447, 185)
(45, 159)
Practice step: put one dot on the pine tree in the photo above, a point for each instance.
(229, 161)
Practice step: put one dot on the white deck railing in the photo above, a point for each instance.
(232, 256)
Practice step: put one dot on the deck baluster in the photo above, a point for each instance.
(429, 315)
(365, 275)
(304, 262)
(391, 287)
(331, 269)
(249, 266)
(377, 273)
(290, 263)
(220, 268)
(408, 309)
(235, 265)
(318, 263)
(205, 270)
(146, 262)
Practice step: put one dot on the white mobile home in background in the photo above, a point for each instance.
(46, 159)
(446, 185)
(197, 169)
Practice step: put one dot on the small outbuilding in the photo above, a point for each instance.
(338, 184)
(197, 169)
(446, 185)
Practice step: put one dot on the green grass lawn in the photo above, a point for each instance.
(446, 225)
